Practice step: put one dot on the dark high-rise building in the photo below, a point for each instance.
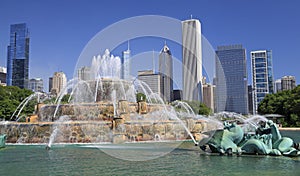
(177, 95)
(50, 83)
(250, 99)
(231, 81)
(166, 70)
(18, 56)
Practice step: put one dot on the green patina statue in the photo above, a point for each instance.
(2, 140)
(266, 141)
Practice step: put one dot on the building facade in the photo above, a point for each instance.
(59, 81)
(84, 73)
(262, 76)
(177, 95)
(250, 99)
(153, 80)
(3, 72)
(231, 82)
(50, 83)
(36, 85)
(18, 56)
(165, 63)
(277, 85)
(208, 96)
(192, 60)
(288, 82)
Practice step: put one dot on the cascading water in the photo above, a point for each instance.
(56, 129)
(23, 104)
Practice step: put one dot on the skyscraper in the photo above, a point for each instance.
(125, 70)
(59, 81)
(192, 60)
(18, 56)
(288, 82)
(262, 76)
(166, 70)
(232, 60)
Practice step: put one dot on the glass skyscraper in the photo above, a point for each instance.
(231, 79)
(262, 76)
(18, 56)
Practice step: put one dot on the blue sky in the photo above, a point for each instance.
(60, 29)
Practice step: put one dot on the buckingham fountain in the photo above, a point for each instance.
(104, 110)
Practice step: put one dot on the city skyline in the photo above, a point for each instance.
(49, 54)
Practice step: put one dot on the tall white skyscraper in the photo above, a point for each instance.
(192, 60)
(166, 71)
(262, 76)
(125, 71)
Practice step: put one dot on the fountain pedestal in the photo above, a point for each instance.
(2, 140)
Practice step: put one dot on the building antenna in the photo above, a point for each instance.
(128, 46)
(165, 42)
(153, 61)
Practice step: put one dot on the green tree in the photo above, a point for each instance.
(199, 108)
(65, 99)
(11, 97)
(140, 97)
(286, 103)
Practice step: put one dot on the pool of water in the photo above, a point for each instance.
(184, 160)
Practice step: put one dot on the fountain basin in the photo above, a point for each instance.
(97, 131)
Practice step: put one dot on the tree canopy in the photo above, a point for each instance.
(140, 97)
(199, 108)
(286, 103)
(10, 98)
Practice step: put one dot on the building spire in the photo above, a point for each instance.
(191, 16)
(128, 45)
(153, 61)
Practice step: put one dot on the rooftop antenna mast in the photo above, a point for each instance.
(153, 61)
(128, 46)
